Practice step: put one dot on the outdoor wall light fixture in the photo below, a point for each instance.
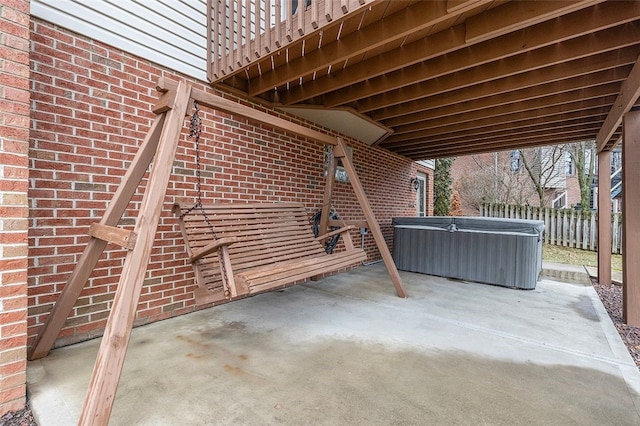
(415, 183)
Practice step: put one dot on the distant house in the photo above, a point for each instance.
(501, 177)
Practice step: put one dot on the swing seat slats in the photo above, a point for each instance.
(263, 247)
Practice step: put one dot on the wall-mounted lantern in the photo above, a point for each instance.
(415, 183)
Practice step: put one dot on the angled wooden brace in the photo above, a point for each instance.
(94, 249)
(106, 372)
(340, 151)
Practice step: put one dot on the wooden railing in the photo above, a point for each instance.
(240, 32)
(563, 227)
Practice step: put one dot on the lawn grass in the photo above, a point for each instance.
(574, 256)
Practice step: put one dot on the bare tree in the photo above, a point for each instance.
(545, 167)
(583, 155)
(494, 180)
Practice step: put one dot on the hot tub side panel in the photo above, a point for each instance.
(510, 257)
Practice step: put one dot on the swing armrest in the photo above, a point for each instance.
(208, 249)
(337, 231)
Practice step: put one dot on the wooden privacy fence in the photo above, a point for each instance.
(563, 227)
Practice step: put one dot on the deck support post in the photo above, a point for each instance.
(630, 223)
(604, 217)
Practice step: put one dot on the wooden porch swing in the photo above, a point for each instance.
(256, 247)
(246, 273)
(240, 249)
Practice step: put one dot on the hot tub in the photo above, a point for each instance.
(505, 252)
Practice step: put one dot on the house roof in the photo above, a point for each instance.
(450, 78)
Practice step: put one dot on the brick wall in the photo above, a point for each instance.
(14, 136)
(91, 109)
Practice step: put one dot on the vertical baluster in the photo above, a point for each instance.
(233, 29)
(267, 26)
(278, 22)
(246, 56)
(328, 10)
(315, 14)
(289, 27)
(258, 26)
(238, 33)
(226, 38)
(301, 13)
(213, 20)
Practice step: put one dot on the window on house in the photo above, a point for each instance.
(515, 160)
(421, 195)
(294, 7)
(570, 166)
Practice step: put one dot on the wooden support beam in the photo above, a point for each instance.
(112, 234)
(629, 93)
(374, 227)
(598, 85)
(220, 103)
(604, 217)
(454, 39)
(516, 122)
(573, 69)
(106, 373)
(421, 15)
(519, 15)
(630, 220)
(419, 84)
(356, 223)
(87, 262)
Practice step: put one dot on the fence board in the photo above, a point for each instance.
(578, 230)
(563, 227)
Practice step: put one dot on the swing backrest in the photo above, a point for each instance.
(268, 233)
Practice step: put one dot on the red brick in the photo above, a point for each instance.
(13, 6)
(13, 367)
(13, 28)
(11, 342)
(12, 290)
(13, 393)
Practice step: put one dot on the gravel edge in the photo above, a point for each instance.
(19, 418)
(611, 296)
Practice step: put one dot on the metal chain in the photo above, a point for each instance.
(195, 129)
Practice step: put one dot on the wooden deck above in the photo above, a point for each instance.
(444, 77)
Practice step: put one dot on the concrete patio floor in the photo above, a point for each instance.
(346, 350)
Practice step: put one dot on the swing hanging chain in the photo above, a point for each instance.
(195, 129)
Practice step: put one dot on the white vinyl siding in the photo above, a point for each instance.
(171, 33)
(431, 164)
(553, 162)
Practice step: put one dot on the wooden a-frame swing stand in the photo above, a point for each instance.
(160, 145)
